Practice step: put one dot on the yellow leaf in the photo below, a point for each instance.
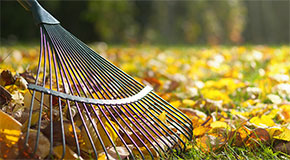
(175, 103)
(216, 95)
(162, 117)
(69, 154)
(274, 131)
(285, 135)
(219, 124)
(188, 102)
(112, 134)
(264, 121)
(102, 156)
(200, 130)
(10, 129)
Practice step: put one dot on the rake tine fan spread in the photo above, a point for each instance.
(84, 104)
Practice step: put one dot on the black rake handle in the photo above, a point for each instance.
(40, 15)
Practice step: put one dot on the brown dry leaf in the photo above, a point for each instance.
(34, 120)
(8, 151)
(153, 81)
(237, 137)
(43, 145)
(69, 154)
(211, 142)
(6, 78)
(283, 146)
(28, 76)
(68, 131)
(258, 136)
(5, 96)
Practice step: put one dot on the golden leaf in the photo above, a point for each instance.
(69, 154)
(285, 135)
(10, 129)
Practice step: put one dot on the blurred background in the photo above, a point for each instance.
(229, 22)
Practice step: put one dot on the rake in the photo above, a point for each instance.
(83, 102)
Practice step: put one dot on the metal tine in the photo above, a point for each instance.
(73, 65)
(103, 112)
(131, 122)
(55, 62)
(97, 115)
(165, 110)
(145, 100)
(134, 82)
(134, 85)
(149, 126)
(58, 52)
(33, 95)
(162, 139)
(50, 100)
(179, 112)
(162, 105)
(154, 124)
(130, 107)
(137, 105)
(117, 69)
(42, 96)
(153, 130)
(109, 121)
(68, 103)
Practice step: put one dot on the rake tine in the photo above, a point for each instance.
(57, 63)
(50, 100)
(150, 127)
(77, 106)
(33, 95)
(110, 106)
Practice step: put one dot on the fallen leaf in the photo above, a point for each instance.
(162, 117)
(200, 131)
(283, 146)
(43, 145)
(285, 135)
(5, 96)
(10, 128)
(219, 124)
(6, 78)
(210, 142)
(69, 154)
(257, 137)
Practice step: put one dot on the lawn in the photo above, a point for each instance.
(237, 97)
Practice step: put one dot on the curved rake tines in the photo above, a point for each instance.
(146, 128)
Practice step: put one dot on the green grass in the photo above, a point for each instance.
(231, 153)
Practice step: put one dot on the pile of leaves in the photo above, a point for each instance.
(235, 96)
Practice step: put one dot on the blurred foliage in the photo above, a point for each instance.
(126, 21)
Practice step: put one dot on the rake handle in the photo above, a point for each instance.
(40, 15)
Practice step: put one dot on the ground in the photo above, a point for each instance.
(238, 97)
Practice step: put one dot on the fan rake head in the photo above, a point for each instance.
(82, 102)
